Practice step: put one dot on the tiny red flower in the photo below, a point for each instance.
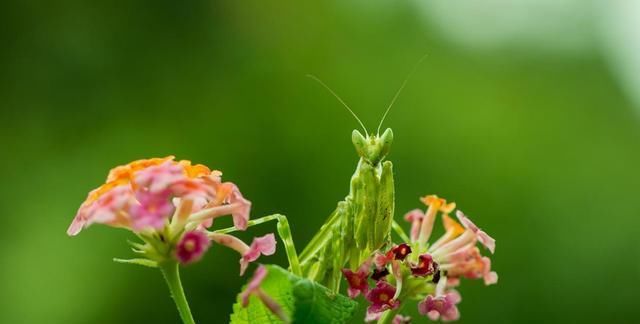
(379, 274)
(381, 260)
(399, 319)
(441, 306)
(381, 298)
(357, 280)
(401, 251)
(425, 267)
(192, 246)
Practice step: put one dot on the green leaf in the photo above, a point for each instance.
(303, 300)
(317, 304)
(277, 285)
(142, 262)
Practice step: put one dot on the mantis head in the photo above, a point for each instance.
(372, 148)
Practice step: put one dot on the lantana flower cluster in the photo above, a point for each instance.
(419, 270)
(170, 205)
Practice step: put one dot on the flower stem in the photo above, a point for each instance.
(388, 316)
(172, 276)
(398, 229)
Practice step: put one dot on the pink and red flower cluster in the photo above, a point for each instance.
(420, 270)
(171, 202)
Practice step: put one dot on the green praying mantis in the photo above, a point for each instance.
(361, 223)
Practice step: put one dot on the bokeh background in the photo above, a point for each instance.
(525, 113)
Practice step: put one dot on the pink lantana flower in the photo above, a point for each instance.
(229, 201)
(253, 288)
(428, 271)
(489, 277)
(452, 230)
(456, 251)
(482, 237)
(169, 204)
(192, 246)
(397, 252)
(469, 263)
(144, 190)
(381, 298)
(401, 251)
(265, 245)
(158, 178)
(442, 305)
(425, 266)
(415, 217)
(105, 209)
(379, 273)
(436, 205)
(254, 285)
(381, 260)
(234, 198)
(151, 211)
(399, 319)
(358, 280)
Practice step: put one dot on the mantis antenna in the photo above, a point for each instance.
(339, 99)
(404, 83)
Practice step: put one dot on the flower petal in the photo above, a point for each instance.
(254, 284)
(152, 210)
(265, 245)
(483, 237)
(415, 218)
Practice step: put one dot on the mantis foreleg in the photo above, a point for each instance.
(385, 203)
(328, 251)
(324, 234)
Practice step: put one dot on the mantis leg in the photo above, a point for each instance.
(287, 239)
(284, 231)
(365, 192)
(339, 248)
(384, 217)
(325, 260)
(324, 234)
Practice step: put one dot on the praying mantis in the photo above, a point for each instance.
(361, 223)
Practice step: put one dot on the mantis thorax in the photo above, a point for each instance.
(372, 148)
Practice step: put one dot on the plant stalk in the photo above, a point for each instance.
(388, 316)
(171, 274)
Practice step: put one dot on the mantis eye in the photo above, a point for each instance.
(386, 139)
(359, 142)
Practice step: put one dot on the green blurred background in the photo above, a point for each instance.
(524, 113)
